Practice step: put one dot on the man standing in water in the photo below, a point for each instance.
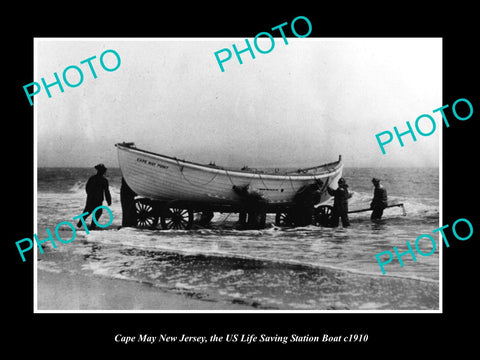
(340, 203)
(379, 201)
(97, 186)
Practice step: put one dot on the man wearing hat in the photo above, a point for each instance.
(97, 190)
(379, 201)
(340, 203)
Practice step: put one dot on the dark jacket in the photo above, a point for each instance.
(379, 198)
(341, 196)
(97, 190)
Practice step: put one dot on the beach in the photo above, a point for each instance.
(222, 268)
(80, 292)
(67, 291)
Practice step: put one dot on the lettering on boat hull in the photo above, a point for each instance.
(148, 162)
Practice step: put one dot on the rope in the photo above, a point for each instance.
(291, 183)
(281, 184)
(263, 182)
(183, 175)
(324, 186)
(229, 178)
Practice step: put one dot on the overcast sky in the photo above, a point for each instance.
(302, 104)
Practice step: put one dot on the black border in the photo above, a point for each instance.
(399, 332)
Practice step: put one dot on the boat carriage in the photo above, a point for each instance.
(173, 190)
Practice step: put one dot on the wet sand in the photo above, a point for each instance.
(62, 290)
(89, 275)
(80, 292)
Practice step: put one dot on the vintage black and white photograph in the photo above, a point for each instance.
(209, 175)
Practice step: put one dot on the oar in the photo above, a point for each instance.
(389, 206)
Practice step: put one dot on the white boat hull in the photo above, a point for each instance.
(163, 178)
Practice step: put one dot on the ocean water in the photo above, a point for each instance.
(306, 268)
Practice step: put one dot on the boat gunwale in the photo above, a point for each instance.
(330, 168)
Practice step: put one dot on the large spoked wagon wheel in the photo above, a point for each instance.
(145, 214)
(284, 219)
(323, 215)
(177, 219)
